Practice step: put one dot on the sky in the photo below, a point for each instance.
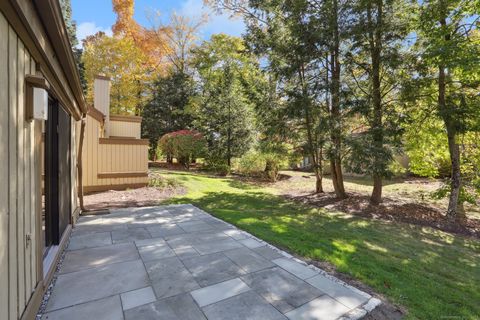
(97, 15)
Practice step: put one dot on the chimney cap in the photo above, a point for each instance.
(102, 77)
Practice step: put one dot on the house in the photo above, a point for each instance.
(41, 99)
(114, 157)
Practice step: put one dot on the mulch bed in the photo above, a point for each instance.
(391, 210)
(141, 197)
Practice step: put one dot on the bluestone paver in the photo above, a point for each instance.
(212, 268)
(323, 308)
(248, 260)
(219, 291)
(164, 230)
(346, 296)
(181, 307)
(149, 242)
(93, 257)
(104, 309)
(169, 277)
(251, 243)
(236, 234)
(299, 270)
(88, 240)
(195, 226)
(155, 252)
(185, 252)
(216, 246)
(91, 229)
(248, 305)
(139, 297)
(267, 252)
(96, 283)
(130, 235)
(281, 289)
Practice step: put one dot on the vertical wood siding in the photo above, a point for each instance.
(4, 186)
(125, 129)
(18, 175)
(105, 158)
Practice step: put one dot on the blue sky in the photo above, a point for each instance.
(97, 15)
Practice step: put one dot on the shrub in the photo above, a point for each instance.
(184, 145)
(273, 163)
(250, 164)
(217, 165)
(257, 164)
(161, 182)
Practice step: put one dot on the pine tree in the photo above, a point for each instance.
(378, 30)
(223, 110)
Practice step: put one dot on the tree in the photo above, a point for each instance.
(449, 48)
(152, 43)
(121, 60)
(223, 111)
(181, 35)
(72, 35)
(297, 39)
(167, 110)
(289, 37)
(378, 30)
(184, 145)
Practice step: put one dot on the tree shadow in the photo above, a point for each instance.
(413, 265)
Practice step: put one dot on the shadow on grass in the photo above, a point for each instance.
(432, 273)
(367, 181)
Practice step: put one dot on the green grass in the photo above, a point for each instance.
(435, 275)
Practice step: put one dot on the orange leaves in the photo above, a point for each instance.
(149, 41)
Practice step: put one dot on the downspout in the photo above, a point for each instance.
(79, 162)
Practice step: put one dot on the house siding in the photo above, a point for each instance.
(122, 159)
(19, 175)
(23, 279)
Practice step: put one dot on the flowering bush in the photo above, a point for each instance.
(184, 145)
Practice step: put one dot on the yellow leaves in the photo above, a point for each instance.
(125, 23)
(119, 58)
(151, 42)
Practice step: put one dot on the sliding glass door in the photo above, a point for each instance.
(57, 180)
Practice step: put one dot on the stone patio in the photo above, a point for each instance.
(178, 262)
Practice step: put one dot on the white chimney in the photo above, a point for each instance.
(101, 98)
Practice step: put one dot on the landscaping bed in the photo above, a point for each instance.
(141, 197)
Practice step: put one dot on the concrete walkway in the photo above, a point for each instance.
(178, 262)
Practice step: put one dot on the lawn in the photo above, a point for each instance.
(435, 275)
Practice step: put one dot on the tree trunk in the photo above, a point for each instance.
(317, 165)
(375, 40)
(335, 116)
(80, 164)
(319, 172)
(455, 211)
(229, 135)
(376, 196)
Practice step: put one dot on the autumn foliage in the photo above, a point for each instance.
(152, 42)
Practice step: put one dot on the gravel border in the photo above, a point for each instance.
(48, 292)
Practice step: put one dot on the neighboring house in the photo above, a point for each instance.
(38, 78)
(114, 157)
